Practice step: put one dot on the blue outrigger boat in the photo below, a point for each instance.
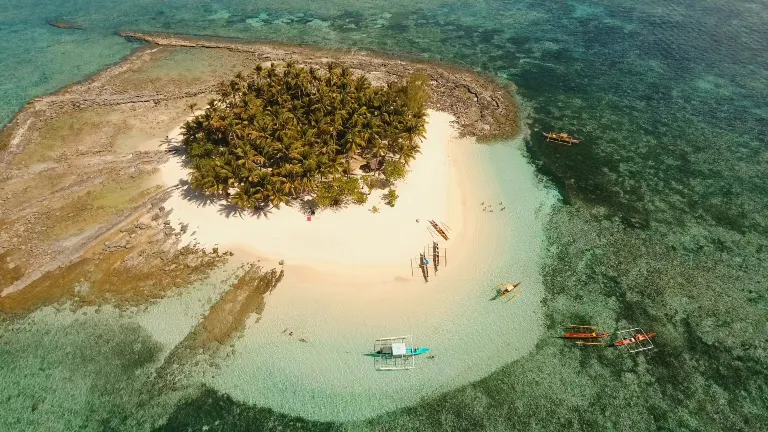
(408, 351)
(395, 353)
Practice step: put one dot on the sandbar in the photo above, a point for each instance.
(352, 241)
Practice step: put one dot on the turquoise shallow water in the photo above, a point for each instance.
(665, 225)
(453, 314)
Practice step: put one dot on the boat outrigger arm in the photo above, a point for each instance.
(583, 332)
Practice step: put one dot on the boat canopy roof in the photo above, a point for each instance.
(398, 349)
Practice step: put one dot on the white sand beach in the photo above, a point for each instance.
(352, 241)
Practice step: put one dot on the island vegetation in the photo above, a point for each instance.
(286, 133)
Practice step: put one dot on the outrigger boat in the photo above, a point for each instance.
(508, 289)
(585, 343)
(635, 339)
(583, 332)
(439, 230)
(562, 138)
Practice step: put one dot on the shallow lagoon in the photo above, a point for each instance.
(472, 335)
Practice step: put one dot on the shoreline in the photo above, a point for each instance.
(484, 109)
(353, 240)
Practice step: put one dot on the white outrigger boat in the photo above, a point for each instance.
(508, 291)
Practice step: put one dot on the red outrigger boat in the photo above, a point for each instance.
(584, 332)
(438, 229)
(637, 338)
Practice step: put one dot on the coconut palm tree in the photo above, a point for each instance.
(276, 135)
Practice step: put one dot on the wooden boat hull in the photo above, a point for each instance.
(439, 230)
(585, 335)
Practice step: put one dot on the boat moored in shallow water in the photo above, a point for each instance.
(583, 332)
(637, 338)
(582, 335)
(562, 138)
(509, 291)
(395, 353)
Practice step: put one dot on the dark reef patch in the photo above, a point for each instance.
(89, 374)
(212, 411)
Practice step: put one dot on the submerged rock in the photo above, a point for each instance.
(65, 25)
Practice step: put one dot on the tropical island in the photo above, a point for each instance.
(289, 132)
(165, 181)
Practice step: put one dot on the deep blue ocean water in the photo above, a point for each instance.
(665, 224)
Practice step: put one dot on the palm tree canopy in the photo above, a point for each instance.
(286, 132)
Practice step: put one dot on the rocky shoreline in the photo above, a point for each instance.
(482, 107)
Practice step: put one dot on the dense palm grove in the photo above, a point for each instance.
(289, 132)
